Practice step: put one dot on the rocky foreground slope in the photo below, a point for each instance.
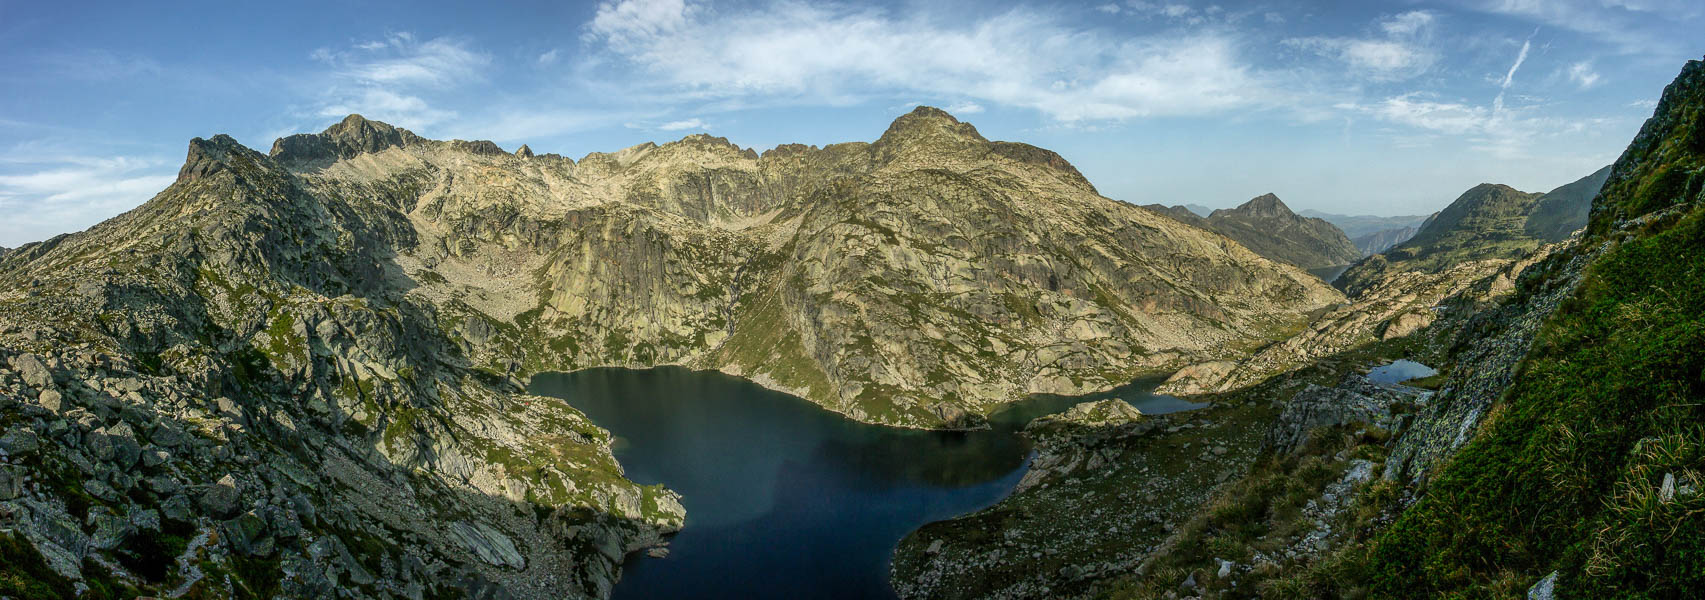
(1264, 224)
(301, 371)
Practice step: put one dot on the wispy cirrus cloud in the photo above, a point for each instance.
(1504, 132)
(1626, 25)
(1510, 77)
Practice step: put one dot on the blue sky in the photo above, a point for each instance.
(1350, 107)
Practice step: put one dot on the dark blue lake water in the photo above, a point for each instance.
(785, 499)
(1329, 274)
(1399, 371)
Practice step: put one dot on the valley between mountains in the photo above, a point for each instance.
(304, 373)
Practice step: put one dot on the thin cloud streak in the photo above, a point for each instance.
(72, 193)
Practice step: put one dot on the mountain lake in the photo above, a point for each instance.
(785, 499)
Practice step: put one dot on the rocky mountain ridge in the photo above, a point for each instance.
(752, 274)
(1487, 222)
(1264, 224)
(235, 393)
(317, 354)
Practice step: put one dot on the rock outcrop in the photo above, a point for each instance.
(1354, 400)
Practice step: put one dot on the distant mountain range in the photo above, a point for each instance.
(1489, 221)
(1372, 234)
(1198, 210)
(1265, 225)
(1379, 241)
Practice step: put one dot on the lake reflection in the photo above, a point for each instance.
(785, 499)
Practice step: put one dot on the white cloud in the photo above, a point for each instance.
(389, 79)
(1582, 74)
(1020, 58)
(1171, 10)
(1109, 8)
(1502, 132)
(438, 62)
(636, 21)
(65, 194)
(683, 124)
(1402, 49)
(1443, 117)
(965, 108)
(1409, 24)
(548, 57)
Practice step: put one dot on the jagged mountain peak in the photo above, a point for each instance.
(712, 143)
(1265, 225)
(208, 156)
(927, 123)
(353, 136)
(1265, 205)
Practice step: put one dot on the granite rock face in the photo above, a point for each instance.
(920, 280)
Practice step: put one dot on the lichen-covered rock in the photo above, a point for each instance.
(35, 373)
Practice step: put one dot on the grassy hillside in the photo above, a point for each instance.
(1569, 472)
(1561, 211)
